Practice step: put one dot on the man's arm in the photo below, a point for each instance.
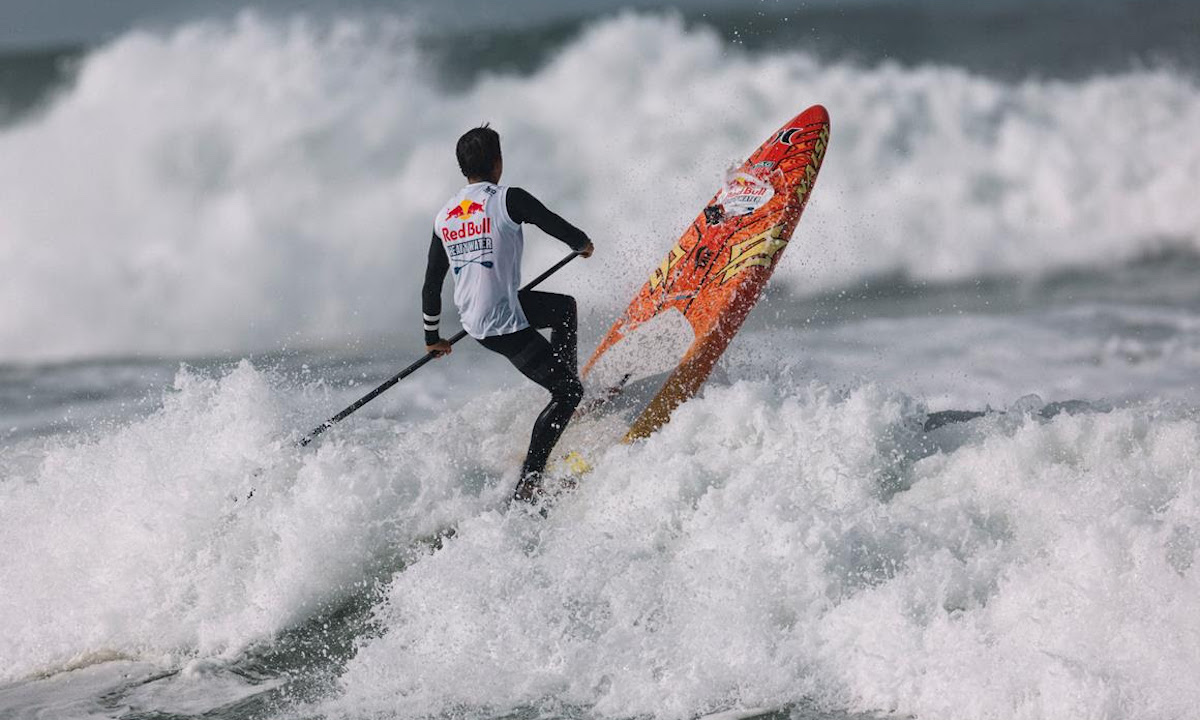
(525, 208)
(431, 297)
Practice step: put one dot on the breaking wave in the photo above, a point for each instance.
(253, 183)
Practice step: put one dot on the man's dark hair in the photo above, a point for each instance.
(478, 150)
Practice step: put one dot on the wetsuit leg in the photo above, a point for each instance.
(565, 393)
(559, 314)
(553, 369)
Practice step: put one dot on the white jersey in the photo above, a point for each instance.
(484, 246)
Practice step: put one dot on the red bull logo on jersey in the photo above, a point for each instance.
(468, 229)
(464, 213)
(464, 210)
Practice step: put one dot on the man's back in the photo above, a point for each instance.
(483, 245)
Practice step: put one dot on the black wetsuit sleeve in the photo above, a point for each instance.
(431, 291)
(525, 208)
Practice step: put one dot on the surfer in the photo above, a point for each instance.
(478, 235)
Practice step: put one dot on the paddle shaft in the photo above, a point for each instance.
(416, 365)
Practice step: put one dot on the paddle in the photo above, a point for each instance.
(416, 365)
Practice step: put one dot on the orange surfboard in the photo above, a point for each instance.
(697, 298)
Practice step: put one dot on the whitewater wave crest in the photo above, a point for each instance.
(252, 183)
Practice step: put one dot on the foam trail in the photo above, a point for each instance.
(769, 548)
(252, 183)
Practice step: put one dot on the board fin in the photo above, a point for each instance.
(602, 399)
(576, 463)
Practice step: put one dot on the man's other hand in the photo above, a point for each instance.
(588, 250)
(439, 348)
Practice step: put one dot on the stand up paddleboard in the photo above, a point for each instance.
(663, 347)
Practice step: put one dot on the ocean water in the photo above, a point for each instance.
(212, 235)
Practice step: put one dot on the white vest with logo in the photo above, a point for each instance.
(484, 246)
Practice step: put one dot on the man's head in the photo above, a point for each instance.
(478, 152)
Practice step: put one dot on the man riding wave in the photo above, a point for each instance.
(478, 234)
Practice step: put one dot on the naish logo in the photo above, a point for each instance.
(804, 187)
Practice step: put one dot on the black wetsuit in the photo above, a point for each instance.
(552, 364)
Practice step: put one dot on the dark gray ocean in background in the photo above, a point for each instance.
(212, 235)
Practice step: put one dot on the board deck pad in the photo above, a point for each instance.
(663, 347)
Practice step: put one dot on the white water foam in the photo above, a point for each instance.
(201, 530)
(774, 543)
(767, 548)
(252, 183)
